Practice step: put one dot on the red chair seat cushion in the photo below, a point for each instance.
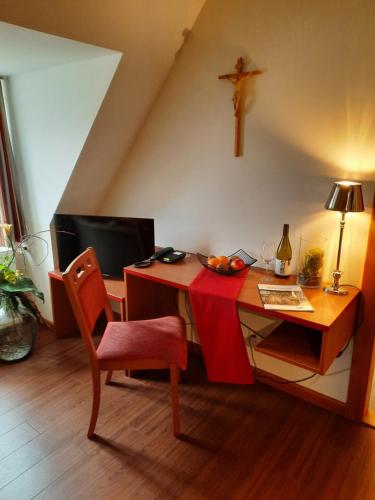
(160, 339)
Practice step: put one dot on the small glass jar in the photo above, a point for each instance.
(310, 262)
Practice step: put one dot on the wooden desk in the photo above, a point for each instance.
(63, 317)
(311, 340)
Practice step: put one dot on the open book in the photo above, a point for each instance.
(284, 297)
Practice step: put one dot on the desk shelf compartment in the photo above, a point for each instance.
(307, 347)
(295, 344)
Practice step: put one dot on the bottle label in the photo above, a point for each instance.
(282, 267)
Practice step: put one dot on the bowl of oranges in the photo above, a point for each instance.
(227, 265)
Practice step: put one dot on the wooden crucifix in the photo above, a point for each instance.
(238, 79)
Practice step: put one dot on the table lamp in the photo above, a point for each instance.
(345, 196)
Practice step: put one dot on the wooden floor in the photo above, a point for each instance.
(239, 442)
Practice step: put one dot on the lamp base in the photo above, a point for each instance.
(335, 291)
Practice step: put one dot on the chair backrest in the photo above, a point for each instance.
(87, 294)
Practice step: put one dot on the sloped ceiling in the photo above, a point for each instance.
(23, 50)
(148, 35)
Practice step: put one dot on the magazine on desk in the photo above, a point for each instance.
(284, 297)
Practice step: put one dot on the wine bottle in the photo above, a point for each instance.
(283, 255)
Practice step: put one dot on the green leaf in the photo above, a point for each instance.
(23, 285)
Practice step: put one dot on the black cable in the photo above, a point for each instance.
(47, 248)
(188, 310)
(360, 307)
(344, 348)
(189, 314)
(252, 355)
(358, 323)
(26, 237)
(252, 331)
(286, 382)
(359, 318)
(282, 382)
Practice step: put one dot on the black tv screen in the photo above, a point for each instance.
(118, 241)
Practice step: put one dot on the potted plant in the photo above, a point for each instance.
(18, 312)
(310, 267)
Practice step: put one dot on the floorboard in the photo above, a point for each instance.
(238, 442)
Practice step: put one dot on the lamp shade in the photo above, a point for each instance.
(345, 196)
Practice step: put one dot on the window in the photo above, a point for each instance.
(10, 212)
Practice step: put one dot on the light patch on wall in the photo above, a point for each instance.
(351, 147)
(341, 138)
(357, 154)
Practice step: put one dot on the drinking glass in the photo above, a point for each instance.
(267, 254)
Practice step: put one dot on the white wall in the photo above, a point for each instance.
(148, 34)
(53, 111)
(309, 121)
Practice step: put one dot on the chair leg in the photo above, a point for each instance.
(95, 402)
(173, 370)
(108, 377)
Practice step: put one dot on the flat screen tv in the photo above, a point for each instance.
(118, 241)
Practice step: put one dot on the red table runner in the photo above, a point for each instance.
(213, 299)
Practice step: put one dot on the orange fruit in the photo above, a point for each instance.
(223, 260)
(222, 267)
(213, 261)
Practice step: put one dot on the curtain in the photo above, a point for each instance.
(10, 206)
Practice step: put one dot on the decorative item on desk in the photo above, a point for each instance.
(310, 262)
(228, 270)
(345, 196)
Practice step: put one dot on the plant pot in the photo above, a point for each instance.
(310, 262)
(18, 328)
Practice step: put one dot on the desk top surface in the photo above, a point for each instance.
(327, 308)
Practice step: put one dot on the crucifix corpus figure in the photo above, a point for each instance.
(238, 79)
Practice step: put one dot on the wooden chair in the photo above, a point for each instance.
(132, 345)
